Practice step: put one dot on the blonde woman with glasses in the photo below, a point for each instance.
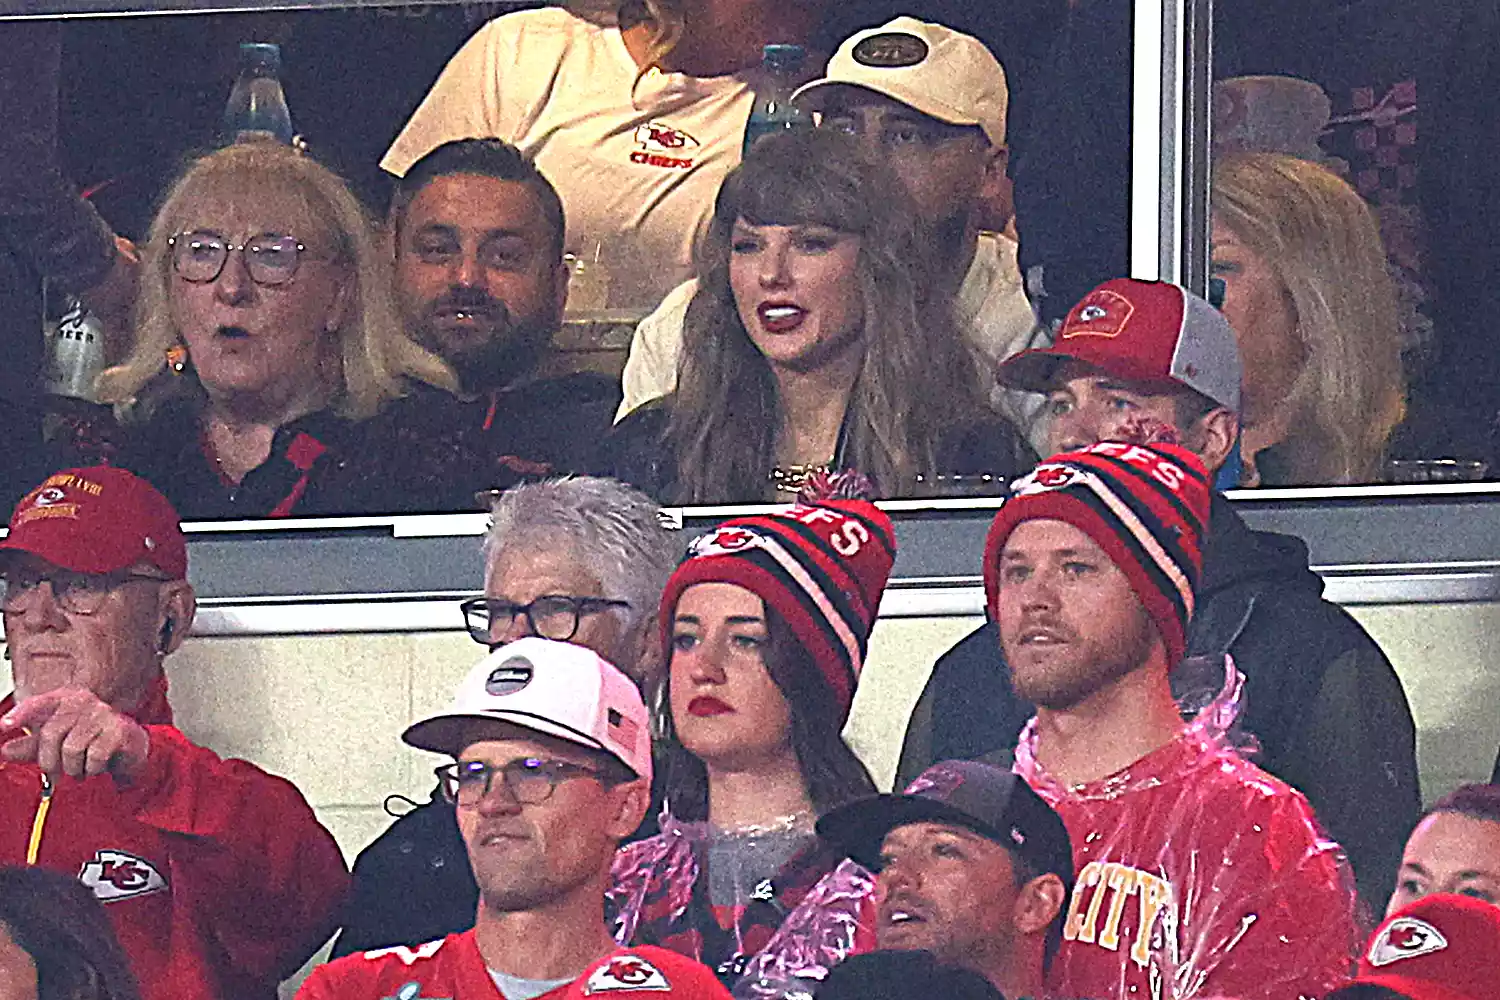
(265, 330)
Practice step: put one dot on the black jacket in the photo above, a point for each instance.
(635, 453)
(413, 884)
(1320, 697)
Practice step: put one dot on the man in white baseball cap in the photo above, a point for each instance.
(931, 101)
(551, 770)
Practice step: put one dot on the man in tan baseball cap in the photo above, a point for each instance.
(930, 101)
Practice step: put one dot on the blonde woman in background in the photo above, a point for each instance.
(1309, 297)
(635, 122)
(264, 331)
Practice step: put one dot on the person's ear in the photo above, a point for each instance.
(343, 302)
(996, 194)
(1038, 904)
(631, 800)
(1214, 437)
(175, 610)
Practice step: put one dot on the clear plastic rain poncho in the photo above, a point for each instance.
(793, 908)
(1199, 876)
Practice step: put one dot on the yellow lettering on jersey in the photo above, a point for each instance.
(1123, 881)
(1088, 876)
(1156, 895)
(1087, 932)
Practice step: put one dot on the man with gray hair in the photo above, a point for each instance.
(579, 559)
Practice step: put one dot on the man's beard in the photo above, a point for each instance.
(504, 361)
(507, 356)
(945, 247)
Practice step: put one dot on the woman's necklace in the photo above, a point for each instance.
(791, 478)
(801, 821)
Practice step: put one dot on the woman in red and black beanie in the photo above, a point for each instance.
(765, 623)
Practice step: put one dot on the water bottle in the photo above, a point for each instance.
(257, 106)
(781, 66)
(75, 350)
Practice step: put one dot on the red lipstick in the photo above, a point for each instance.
(780, 317)
(706, 705)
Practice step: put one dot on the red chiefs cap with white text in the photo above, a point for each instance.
(1442, 947)
(1142, 331)
(98, 520)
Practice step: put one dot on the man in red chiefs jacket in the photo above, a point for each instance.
(219, 880)
(1198, 874)
(551, 749)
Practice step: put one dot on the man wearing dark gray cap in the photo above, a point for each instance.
(972, 866)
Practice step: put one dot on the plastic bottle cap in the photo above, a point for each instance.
(261, 54)
(784, 57)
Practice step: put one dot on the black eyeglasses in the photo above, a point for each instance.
(79, 593)
(528, 780)
(551, 616)
(270, 258)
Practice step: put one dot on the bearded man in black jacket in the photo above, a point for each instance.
(1138, 359)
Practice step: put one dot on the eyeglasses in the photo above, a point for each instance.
(528, 780)
(270, 258)
(79, 593)
(551, 616)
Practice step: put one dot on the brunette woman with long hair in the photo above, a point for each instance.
(766, 625)
(817, 340)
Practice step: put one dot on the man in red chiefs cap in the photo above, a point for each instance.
(1194, 867)
(219, 879)
(1147, 358)
(1442, 947)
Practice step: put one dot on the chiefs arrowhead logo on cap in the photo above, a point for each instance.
(1403, 938)
(1102, 313)
(1045, 478)
(726, 541)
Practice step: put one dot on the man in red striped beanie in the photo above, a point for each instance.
(1195, 869)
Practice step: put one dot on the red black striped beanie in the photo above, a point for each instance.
(822, 566)
(1145, 506)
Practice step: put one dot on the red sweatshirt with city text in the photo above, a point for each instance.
(217, 877)
(1198, 876)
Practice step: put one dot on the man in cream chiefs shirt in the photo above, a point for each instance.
(932, 101)
(636, 152)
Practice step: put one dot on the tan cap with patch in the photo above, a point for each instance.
(936, 70)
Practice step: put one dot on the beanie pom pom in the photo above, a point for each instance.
(844, 485)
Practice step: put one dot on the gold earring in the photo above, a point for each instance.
(177, 358)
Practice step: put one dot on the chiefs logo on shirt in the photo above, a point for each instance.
(627, 972)
(663, 146)
(116, 875)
